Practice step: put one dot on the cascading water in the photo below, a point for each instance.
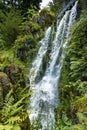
(44, 99)
(38, 60)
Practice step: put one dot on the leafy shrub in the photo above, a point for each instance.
(25, 47)
(2, 43)
(77, 50)
(13, 113)
(9, 27)
(80, 104)
(73, 80)
(46, 18)
(57, 6)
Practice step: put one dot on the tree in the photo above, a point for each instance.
(9, 25)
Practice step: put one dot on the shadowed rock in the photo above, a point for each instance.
(5, 86)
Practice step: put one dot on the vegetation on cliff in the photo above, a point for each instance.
(73, 80)
(21, 27)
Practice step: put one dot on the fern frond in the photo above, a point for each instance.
(5, 127)
(13, 120)
(9, 127)
(16, 110)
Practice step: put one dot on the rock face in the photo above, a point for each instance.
(15, 74)
(45, 18)
(5, 86)
(11, 76)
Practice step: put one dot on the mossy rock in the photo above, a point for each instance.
(15, 74)
(5, 86)
(5, 81)
(46, 18)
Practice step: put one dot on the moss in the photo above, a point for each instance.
(46, 18)
(80, 105)
(7, 57)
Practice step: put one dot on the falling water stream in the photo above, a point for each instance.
(45, 99)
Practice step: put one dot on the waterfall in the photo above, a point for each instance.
(44, 99)
(38, 60)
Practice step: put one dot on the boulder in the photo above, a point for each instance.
(15, 74)
(5, 86)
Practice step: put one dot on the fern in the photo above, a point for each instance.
(9, 127)
(5, 127)
(13, 113)
(82, 122)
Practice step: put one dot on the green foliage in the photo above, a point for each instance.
(13, 112)
(31, 28)
(2, 42)
(78, 65)
(82, 122)
(83, 4)
(46, 17)
(30, 25)
(64, 123)
(2, 16)
(57, 6)
(81, 87)
(80, 104)
(47, 12)
(9, 27)
(36, 124)
(26, 40)
(7, 57)
(31, 13)
(25, 47)
(73, 80)
(34, 28)
(9, 127)
(72, 90)
(2, 6)
(83, 13)
(18, 37)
